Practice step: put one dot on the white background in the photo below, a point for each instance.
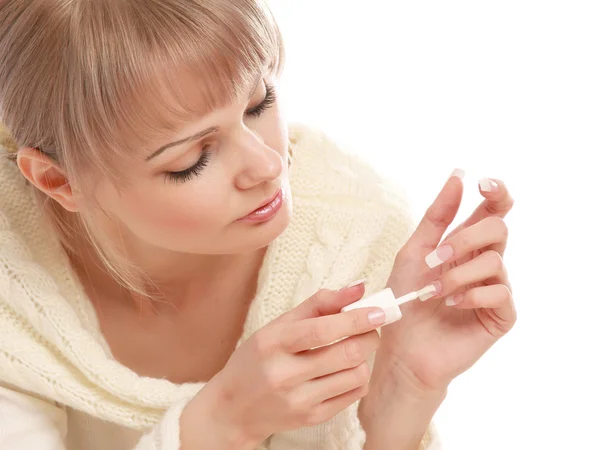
(505, 89)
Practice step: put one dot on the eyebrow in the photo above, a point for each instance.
(201, 134)
(193, 137)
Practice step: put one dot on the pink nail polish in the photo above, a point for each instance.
(377, 317)
(439, 256)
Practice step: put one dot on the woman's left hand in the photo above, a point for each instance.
(441, 337)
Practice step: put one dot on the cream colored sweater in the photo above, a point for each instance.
(60, 388)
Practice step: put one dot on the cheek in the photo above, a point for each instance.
(175, 210)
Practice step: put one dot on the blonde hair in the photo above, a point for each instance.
(92, 82)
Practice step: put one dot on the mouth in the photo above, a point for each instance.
(267, 210)
(269, 201)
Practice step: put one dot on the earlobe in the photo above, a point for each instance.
(46, 175)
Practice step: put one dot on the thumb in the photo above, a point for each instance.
(438, 216)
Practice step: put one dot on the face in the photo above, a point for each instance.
(199, 191)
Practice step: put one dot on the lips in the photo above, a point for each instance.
(273, 197)
(268, 209)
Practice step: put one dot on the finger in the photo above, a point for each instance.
(320, 331)
(439, 215)
(346, 354)
(497, 203)
(497, 297)
(331, 386)
(323, 303)
(329, 408)
(491, 232)
(487, 266)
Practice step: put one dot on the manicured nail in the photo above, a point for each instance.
(429, 291)
(439, 256)
(454, 300)
(459, 173)
(487, 185)
(355, 283)
(377, 317)
(392, 314)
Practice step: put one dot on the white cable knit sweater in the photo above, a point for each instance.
(60, 388)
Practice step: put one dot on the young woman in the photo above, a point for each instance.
(156, 290)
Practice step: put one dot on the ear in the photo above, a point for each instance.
(45, 174)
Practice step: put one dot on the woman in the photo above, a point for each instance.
(156, 290)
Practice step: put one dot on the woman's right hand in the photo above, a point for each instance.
(286, 376)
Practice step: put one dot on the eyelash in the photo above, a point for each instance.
(269, 100)
(187, 174)
(195, 170)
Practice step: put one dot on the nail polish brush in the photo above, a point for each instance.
(386, 300)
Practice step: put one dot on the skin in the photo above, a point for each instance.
(190, 244)
(434, 343)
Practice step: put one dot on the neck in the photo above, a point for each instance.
(171, 280)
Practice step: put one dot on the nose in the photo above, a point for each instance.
(259, 162)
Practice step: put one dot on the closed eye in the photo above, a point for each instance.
(185, 175)
(270, 99)
(195, 170)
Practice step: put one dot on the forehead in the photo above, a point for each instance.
(185, 99)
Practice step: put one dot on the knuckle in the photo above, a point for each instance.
(317, 335)
(263, 344)
(300, 405)
(436, 217)
(274, 379)
(322, 296)
(352, 352)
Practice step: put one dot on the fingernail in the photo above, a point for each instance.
(392, 314)
(487, 185)
(377, 317)
(439, 256)
(459, 173)
(430, 290)
(355, 283)
(454, 300)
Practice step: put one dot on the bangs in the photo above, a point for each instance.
(139, 69)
